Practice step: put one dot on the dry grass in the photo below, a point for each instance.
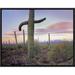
(58, 54)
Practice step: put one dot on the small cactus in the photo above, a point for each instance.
(23, 37)
(16, 38)
(49, 39)
(9, 42)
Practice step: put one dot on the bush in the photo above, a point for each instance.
(61, 52)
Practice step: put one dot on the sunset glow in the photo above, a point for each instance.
(59, 23)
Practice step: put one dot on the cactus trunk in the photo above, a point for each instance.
(16, 39)
(9, 42)
(31, 34)
(49, 39)
(23, 37)
(30, 24)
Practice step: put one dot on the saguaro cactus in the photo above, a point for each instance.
(31, 33)
(16, 39)
(9, 42)
(49, 39)
(30, 23)
(23, 37)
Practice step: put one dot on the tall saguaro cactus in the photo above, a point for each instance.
(30, 23)
(31, 33)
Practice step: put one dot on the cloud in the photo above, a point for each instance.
(61, 27)
(11, 33)
(40, 31)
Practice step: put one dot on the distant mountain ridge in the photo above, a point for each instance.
(56, 41)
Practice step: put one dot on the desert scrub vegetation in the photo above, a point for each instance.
(56, 54)
(61, 53)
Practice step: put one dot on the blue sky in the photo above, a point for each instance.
(12, 18)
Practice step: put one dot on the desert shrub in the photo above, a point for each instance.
(45, 46)
(19, 46)
(61, 52)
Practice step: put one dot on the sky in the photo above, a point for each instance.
(58, 22)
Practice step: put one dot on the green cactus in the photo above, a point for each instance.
(26, 23)
(30, 23)
(31, 34)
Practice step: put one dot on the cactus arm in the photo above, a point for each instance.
(38, 21)
(23, 23)
(26, 22)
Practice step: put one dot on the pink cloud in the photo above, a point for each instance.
(12, 33)
(41, 30)
(61, 25)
